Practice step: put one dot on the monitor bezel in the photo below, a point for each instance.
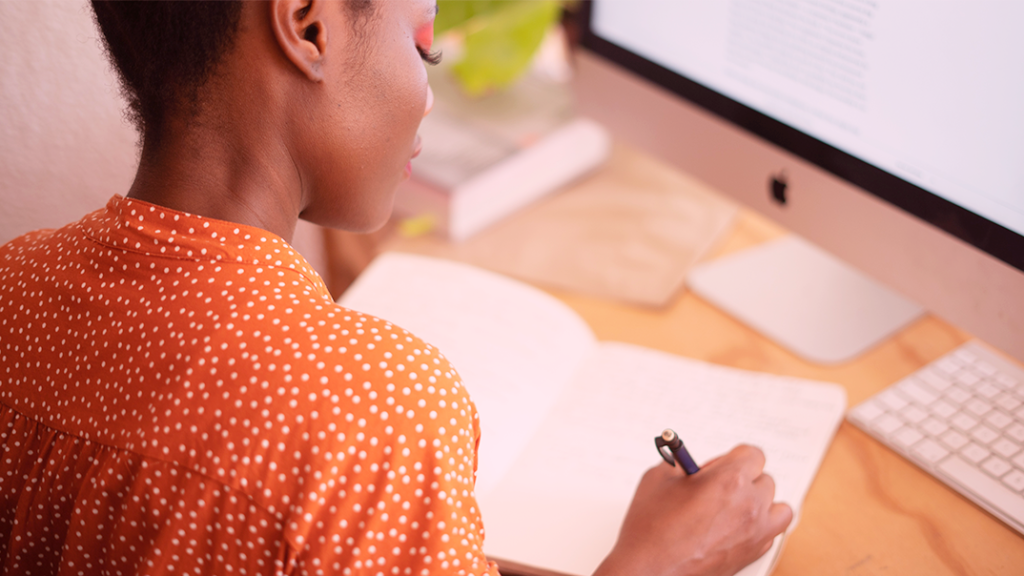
(976, 230)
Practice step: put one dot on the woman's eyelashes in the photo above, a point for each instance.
(432, 58)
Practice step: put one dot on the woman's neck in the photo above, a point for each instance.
(232, 168)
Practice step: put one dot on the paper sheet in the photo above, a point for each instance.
(560, 505)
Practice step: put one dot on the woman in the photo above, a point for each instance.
(179, 392)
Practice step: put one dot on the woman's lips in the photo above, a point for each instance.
(417, 146)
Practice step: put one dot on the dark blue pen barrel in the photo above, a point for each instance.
(685, 460)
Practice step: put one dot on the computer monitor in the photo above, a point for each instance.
(897, 127)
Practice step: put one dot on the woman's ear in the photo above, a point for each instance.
(301, 32)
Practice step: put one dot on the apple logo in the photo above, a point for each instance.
(778, 188)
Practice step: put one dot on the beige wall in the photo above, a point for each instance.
(64, 147)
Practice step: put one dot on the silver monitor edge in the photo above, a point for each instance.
(954, 280)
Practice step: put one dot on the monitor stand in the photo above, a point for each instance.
(804, 299)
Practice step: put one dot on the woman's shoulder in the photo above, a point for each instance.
(348, 360)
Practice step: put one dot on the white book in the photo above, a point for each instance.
(540, 378)
(468, 178)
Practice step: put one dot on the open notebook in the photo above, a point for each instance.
(568, 423)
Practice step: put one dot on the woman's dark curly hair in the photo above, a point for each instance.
(164, 52)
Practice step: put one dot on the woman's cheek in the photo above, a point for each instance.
(425, 37)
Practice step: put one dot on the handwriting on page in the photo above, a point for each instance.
(580, 468)
(713, 409)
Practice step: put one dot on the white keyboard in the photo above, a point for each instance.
(961, 419)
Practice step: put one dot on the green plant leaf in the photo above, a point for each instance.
(454, 13)
(500, 41)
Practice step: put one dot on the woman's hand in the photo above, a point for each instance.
(714, 522)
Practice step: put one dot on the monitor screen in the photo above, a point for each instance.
(915, 103)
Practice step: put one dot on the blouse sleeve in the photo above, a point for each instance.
(388, 469)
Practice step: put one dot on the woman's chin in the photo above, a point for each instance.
(359, 220)
(374, 218)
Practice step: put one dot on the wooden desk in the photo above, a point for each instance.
(869, 510)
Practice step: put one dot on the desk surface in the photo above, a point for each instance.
(869, 511)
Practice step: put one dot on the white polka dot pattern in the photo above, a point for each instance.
(180, 395)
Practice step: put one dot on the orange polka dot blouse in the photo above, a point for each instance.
(180, 395)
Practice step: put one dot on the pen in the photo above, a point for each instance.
(671, 448)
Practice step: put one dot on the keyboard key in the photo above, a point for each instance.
(953, 439)
(967, 378)
(985, 368)
(949, 365)
(868, 411)
(934, 427)
(930, 450)
(1015, 480)
(958, 395)
(913, 414)
(917, 392)
(1005, 448)
(984, 434)
(1018, 460)
(966, 356)
(987, 390)
(974, 453)
(1006, 381)
(892, 400)
(963, 421)
(907, 436)
(996, 466)
(935, 379)
(887, 424)
(1015, 431)
(1008, 402)
(998, 420)
(943, 409)
(977, 482)
(977, 407)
